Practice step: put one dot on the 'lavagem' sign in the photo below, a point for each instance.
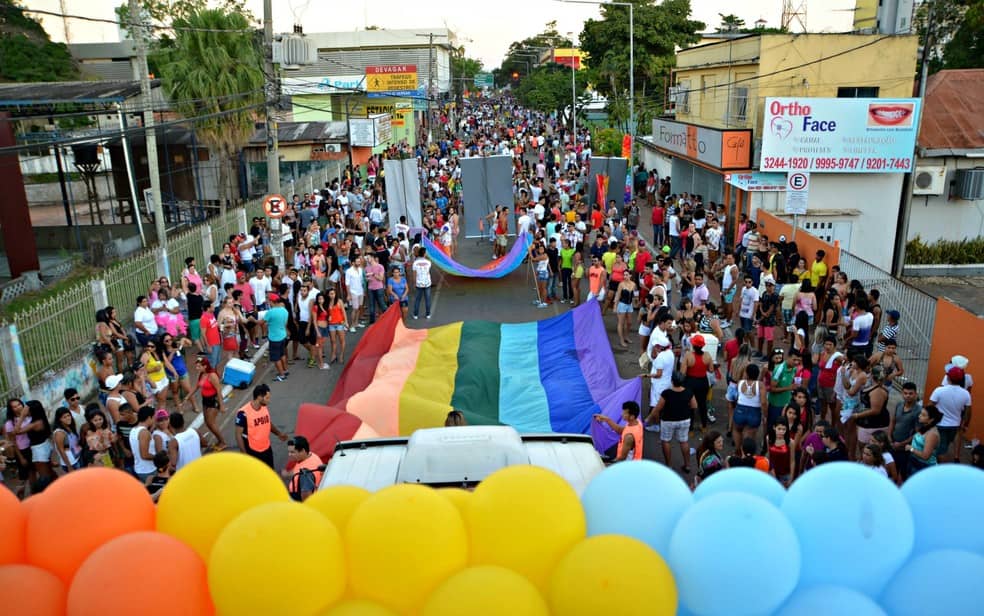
(839, 135)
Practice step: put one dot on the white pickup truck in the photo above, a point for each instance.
(460, 456)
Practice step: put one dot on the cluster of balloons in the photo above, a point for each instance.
(225, 538)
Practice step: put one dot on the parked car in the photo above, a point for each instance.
(460, 456)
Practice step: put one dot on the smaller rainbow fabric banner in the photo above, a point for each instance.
(493, 269)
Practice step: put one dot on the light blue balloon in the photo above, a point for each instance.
(940, 582)
(744, 480)
(854, 526)
(947, 502)
(763, 556)
(641, 499)
(830, 601)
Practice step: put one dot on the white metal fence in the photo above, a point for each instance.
(917, 310)
(59, 330)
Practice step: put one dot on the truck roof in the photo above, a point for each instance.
(460, 456)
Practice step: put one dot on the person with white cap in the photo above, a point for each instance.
(953, 400)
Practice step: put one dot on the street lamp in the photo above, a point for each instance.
(631, 52)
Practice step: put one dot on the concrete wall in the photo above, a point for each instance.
(941, 217)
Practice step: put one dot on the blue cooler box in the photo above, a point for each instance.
(238, 373)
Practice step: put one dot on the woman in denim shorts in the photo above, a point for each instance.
(751, 400)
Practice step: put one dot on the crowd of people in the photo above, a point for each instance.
(806, 357)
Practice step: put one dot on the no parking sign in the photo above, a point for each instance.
(797, 192)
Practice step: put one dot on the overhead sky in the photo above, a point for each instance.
(484, 28)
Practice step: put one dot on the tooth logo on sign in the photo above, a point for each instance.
(781, 127)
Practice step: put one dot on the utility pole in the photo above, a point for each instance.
(905, 208)
(430, 89)
(273, 155)
(140, 43)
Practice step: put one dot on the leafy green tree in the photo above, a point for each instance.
(464, 70)
(548, 89)
(606, 142)
(955, 34)
(659, 30)
(214, 64)
(730, 23)
(26, 51)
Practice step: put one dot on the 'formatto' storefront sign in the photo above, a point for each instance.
(721, 149)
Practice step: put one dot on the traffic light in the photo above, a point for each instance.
(515, 75)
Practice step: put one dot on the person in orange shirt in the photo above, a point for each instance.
(631, 439)
(597, 275)
(304, 469)
(254, 425)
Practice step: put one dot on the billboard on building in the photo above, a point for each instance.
(391, 78)
(839, 135)
(722, 149)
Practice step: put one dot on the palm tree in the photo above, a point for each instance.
(215, 65)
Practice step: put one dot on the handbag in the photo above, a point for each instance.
(645, 360)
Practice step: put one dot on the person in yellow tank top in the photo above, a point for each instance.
(154, 365)
(631, 439)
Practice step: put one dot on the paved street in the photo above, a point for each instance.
(509, 299)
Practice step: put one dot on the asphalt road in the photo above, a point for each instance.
(509, 299)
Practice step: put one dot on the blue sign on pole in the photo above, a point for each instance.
(397, 94)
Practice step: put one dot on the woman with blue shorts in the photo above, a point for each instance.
(397, 290)
(752, 398)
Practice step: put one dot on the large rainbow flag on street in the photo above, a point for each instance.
(493, 269)
(540, 376)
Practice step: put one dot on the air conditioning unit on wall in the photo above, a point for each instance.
(969, 184)
(929, 181)
(333, 147)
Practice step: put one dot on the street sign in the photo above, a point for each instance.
(275, 206)
(483, 80)
(391, 78)
(797, 192)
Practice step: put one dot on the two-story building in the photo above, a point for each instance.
(712, 144)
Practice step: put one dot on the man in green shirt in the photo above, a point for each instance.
(783, 384)
(567, 270)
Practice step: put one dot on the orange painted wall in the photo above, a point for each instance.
(957, 332)
(808, 244)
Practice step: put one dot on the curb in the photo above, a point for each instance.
(199, 421)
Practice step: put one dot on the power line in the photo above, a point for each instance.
(130, 26)
(116, 134)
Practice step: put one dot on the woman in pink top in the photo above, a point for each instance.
(18, 443)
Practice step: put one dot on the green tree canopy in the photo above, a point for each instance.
(955, 33)
(548, 89)
(523, 55)
(730, 23)
(213, 65)
(27, 53)
(659, 30)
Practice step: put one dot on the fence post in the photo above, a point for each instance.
(99, 295)
(310, 180)
(14, 367)
(243, 223)
(208, 248)
(163, 267)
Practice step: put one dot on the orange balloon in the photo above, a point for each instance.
(150, 573)
(35, 592)
(13, 520)
(80, 512)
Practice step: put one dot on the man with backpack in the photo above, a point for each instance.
(305, 475)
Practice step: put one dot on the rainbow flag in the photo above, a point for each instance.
(493, 269)
(540, 376)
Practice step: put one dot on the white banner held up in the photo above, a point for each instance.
(403, 191)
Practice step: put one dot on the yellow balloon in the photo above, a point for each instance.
(486, 591)
(277, 558)
(204, 496)
(337, 503)
(358, 607)
(604, 575)
(524, 518)
(401, 543)
(457, 496)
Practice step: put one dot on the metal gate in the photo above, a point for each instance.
(917, 310)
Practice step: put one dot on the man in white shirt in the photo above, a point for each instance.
(246, 251)
(525, 222)
(675, 246)
(539, 210)
(422, 281)
(954, 402)
(749, 304)
(661, 370)
(356, 291)
(376, 214)
(261, 288)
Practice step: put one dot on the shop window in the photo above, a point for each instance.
(739, 104)
(683, 96)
